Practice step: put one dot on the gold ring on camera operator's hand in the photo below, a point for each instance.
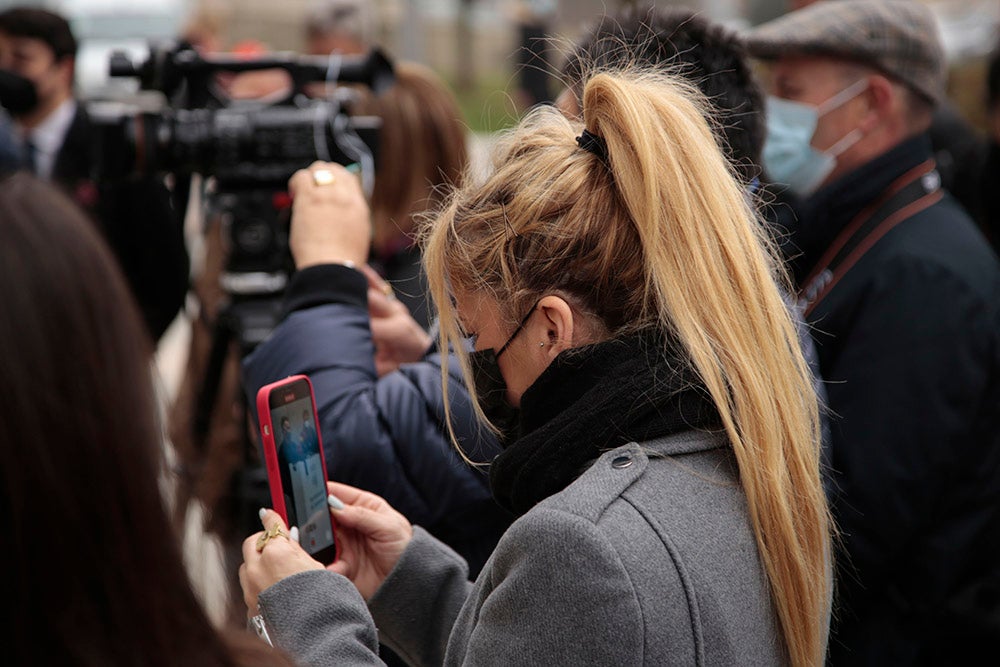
(271, 532)
(323, 177)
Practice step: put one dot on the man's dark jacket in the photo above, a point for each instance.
(138, 219)
(909, 345)
(387, 435)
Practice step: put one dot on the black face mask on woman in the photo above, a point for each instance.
(491, 388)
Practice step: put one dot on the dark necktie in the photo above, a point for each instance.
(30, 156)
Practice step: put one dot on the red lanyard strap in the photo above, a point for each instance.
(911, 193)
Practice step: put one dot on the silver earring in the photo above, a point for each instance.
(542, 344)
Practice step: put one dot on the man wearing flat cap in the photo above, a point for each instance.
(903, 296)
(346, 27)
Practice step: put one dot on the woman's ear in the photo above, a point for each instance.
(554, 329)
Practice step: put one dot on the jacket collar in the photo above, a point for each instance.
(820, 218)
(686, 442)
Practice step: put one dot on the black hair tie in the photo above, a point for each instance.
(593, 144)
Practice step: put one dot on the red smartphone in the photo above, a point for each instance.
(296, 469)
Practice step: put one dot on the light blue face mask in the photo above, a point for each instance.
(788, 156)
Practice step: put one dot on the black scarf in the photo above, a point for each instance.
(593, 399)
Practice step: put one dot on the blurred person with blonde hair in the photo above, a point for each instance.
(422, 154)
(205, 27)
(664, 469)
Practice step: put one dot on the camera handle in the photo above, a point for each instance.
(184, 75)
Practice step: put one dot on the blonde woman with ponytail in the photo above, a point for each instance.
(633, 349)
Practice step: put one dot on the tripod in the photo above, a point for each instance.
(239, 327)
(238, 290)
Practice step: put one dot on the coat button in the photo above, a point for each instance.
(622, 461)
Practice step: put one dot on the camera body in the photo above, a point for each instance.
(243, 143)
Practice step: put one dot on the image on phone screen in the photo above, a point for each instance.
(303, 480)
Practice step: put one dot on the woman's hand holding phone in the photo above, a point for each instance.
(280, 557)
(372, 537)
(371, 534)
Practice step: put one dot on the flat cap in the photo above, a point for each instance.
(898, 37)
(354, 17)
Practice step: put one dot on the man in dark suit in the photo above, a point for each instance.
(58, 143)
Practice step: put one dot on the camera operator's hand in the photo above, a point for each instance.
(398, 338)
(330, 220)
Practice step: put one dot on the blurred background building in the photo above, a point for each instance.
(473, 43)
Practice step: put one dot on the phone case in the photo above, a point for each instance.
(267, 432)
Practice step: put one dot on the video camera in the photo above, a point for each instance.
(248, 149)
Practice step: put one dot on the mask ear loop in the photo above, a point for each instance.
(843, 97)
(848, 140)
(838, 100)
(517, 330)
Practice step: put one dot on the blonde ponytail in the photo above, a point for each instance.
(714, 286)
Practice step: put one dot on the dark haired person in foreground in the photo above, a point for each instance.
(95, 564)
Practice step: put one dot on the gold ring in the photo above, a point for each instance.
(387, 290)
(271, 532)
(323, 177)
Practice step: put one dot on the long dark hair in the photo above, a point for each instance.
(93, 564)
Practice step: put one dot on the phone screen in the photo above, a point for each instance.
(303, 479)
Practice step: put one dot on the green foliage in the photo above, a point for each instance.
(487, 106)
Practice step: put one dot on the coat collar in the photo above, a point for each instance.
(821, 217)
(686, 442)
